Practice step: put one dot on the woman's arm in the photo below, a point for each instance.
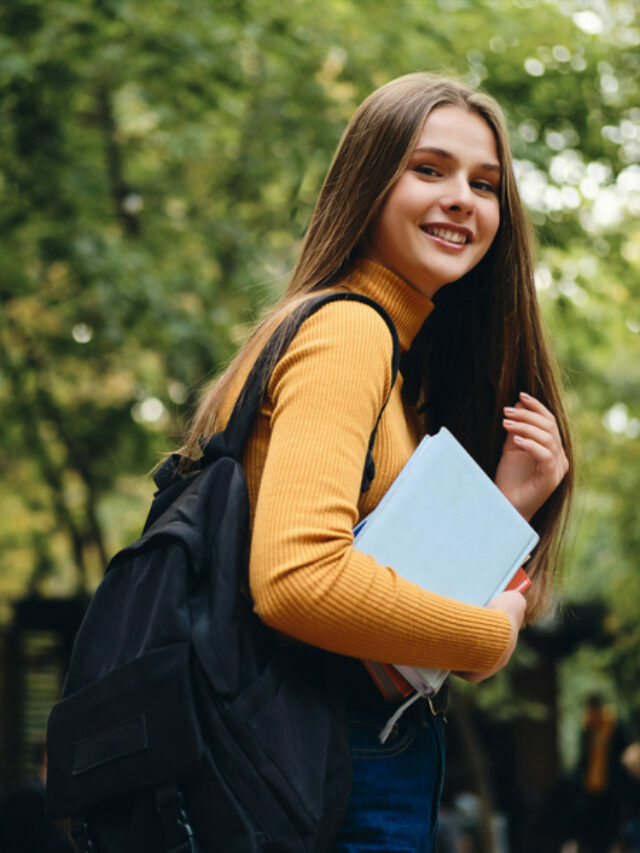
(513, 605)
(306, 578)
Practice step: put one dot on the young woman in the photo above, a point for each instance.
(419, 211)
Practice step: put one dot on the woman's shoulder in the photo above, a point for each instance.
(346, 325)
(345, 339)
(345, 316)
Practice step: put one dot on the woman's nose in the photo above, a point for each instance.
(458, 198)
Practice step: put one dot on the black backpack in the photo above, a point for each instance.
(186, 724)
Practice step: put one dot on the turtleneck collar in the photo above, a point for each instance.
(405, 305)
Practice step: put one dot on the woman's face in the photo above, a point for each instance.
(440, 217)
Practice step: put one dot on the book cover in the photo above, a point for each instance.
(444, 525)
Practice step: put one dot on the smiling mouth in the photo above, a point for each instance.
(446, 234)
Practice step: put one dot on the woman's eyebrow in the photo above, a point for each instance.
(447, 155)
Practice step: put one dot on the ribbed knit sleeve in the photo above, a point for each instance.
(306, 579)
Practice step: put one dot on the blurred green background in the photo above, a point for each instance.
(159, 160)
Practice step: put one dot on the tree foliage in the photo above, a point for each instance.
(159, 164)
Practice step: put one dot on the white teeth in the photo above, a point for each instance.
(445, 234)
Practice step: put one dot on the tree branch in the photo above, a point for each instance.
(119, 189)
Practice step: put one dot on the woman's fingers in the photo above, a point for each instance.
(513, 605)
(528, 478)
(545, 449)
(534, 413)
(529, 431)
(535, 405)
(530, 423)
(543, 455)
(526, 416)
(517, 417)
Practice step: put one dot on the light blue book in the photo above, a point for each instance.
(445, 525)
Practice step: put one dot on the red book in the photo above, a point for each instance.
(520, 582)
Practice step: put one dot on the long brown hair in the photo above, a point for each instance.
(485, 341)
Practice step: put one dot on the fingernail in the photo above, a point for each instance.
(525, 395)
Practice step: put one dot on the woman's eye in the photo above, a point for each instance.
(430, 171)
(484, 186)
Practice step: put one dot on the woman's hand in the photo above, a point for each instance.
(533, 460)
(513, 605)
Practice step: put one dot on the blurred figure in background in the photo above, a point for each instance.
(599, 778)
(631, 800)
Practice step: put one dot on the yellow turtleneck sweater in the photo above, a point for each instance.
(304, 462)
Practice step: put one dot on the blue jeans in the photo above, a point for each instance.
(396, 785)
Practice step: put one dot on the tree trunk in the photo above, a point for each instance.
(477, 764)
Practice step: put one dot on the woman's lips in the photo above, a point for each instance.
(448, 235)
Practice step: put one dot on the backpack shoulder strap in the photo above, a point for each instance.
(241, 419)
(232, 440)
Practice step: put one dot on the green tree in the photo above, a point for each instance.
(159, 164)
